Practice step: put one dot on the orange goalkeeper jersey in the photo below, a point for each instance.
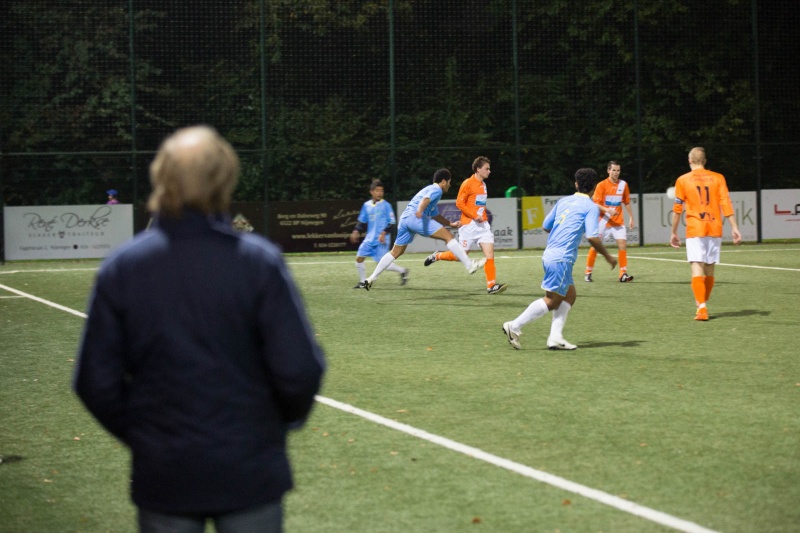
(471, 200)
(704, 196)
(610, 194)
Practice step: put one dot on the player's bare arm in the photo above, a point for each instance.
(597, 244)
(423, 205)
(446, 223)
(737, 235)
(631, 223)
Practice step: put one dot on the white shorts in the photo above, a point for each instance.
(703, 249)
(618, 233)
(475, 232)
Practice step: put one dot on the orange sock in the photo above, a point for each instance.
(590, 260)
(623, 261)
(709, 286)
(490, 271)
(699, 289)
(446, 256)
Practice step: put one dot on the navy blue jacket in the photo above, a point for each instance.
(198, 355)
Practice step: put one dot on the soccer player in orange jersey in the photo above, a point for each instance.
(611, 194)
(475, 226)
(704, 196)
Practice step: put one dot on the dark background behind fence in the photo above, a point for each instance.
(319, 97)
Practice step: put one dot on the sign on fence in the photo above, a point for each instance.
(66, 231)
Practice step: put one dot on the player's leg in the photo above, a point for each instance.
(590, 259)
(405, 234)
(486, 243)
(465, 241)
(712, 257)
(620, 235)
(454, 246)
(387, 259)
(553, 272)
(362, 271)
(556, 339)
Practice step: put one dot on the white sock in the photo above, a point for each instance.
(559, 319)
(396, 268)
(458, 251)
(535, 310)
(383, 264)
(362, 271)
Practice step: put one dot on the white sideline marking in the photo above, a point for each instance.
(539, 475)
(721, 264)
(43, 301)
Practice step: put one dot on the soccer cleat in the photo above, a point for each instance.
(431, 259)
(587, 277)
(625, 278)
(360, 285)
(702, 314)
(404, 277)
(512, 336)
(559, 344)
(476, 265)
(497, 288)
(367, 284)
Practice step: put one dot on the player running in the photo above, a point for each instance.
(475, 228)
(421, 217)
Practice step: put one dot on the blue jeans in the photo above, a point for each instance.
(261, 519)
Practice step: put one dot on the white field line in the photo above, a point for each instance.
(498, 253)
(539, 475)
(593, 494)
(720, 264)
(43, 301)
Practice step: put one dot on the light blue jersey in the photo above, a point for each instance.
(377, 216)
(432, 191)
(410, 225)
(569, 219)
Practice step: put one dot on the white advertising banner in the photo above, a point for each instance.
(65, 232)
(535, 208)
(780, 214)
(502, 217)
(658, 218)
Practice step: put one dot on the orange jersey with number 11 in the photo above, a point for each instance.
(704, 196)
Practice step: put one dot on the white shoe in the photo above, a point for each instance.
(559, 344)
(476, 265)
(512, 336)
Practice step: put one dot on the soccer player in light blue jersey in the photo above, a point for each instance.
(377, 219)
(421, 217)
(569, 219)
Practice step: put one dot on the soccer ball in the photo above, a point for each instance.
(671, 193)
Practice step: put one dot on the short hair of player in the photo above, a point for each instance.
(697, 156)
(441, 175)
(375, 184)
(194, 168)
(611, 164)
(479, 162)
(586, 179)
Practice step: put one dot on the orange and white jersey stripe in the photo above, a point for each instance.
(610, 194)
(471, 200)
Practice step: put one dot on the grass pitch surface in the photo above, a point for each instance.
(695, 422)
